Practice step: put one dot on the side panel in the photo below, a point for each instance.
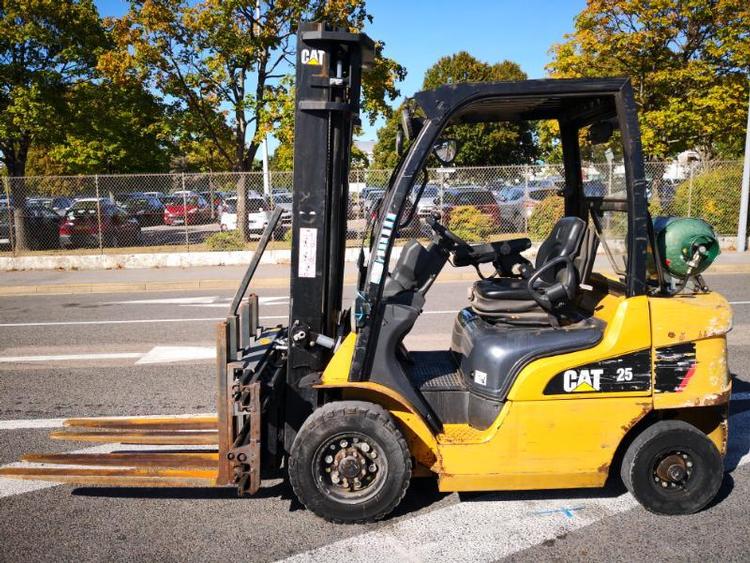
(544, 444)
(690, 350)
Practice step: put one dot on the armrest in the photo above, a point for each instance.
(474, 254)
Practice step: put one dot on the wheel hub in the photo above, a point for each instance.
(351, 464)
(673, 470)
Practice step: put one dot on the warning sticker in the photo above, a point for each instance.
(308, 251)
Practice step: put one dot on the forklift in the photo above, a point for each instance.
(558, 376)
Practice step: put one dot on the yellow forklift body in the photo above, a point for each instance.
(566, 441)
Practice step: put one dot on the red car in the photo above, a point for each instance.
(473, 196)
(186, 210)
(81, 226)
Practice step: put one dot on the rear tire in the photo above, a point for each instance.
(350, 463)
(672, 468)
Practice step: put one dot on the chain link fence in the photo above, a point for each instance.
(191, 212)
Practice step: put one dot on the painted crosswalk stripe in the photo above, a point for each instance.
(70, 357)
(32, 423)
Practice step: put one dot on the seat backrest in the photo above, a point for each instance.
(566, 239)
(584, 262)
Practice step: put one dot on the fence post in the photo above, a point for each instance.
(744, 192)
(98, 213)
(690, 193)
(184, 212)
(11, 219)
(525, 197)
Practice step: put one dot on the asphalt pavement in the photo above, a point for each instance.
(148, 353)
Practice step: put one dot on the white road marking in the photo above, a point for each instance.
(24, 424)
(167, 354)
(131, 321)
(113, 322)
(739, 302)
(491, 527)
(741, 396)
(167, 301)
(205, 301)
(70, 357)
(32, 423)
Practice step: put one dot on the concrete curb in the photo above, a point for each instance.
(260, 283)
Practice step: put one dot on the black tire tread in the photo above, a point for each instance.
(330, 411)
(642, 440)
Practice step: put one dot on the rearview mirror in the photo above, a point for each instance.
(445, 150)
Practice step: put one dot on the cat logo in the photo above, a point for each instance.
(583, 381)
(313, 57)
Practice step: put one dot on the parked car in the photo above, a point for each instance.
(475, 196)
(258, 215)
(58, 204)
(410, 225)
(145, 209)
(89, 218)
(594, 188)
(426, 203)
(283, 200)
(512, 211)
(370, 199)
(186, 210)
(41, 226)
(517, 202)
(157, 195)
(215, 201)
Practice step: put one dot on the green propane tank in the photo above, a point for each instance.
(687, 245)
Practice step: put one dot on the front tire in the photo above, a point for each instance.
(672, 468)
(350, 463)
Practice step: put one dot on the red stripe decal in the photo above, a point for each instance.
(685, 379)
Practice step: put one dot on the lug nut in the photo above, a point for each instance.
(343, 443)
(329, 459)
(365, 447)
(373, 468)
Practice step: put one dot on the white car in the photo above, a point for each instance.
(258, 214)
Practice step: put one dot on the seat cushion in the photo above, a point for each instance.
(501, 295)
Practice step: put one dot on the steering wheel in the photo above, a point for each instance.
(449, 239)
(552, 296)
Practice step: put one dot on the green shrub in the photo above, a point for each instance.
(226, 240)
(715, 198)
(544, 216)
(469, 223)
(287, 236)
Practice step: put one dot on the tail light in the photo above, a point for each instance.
(66, 228)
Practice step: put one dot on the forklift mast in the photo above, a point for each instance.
(328, 84)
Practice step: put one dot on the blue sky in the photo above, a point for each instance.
(418, 32)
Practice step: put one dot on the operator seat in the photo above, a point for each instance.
(509, 297)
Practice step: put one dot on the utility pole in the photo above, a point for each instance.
(745, 192)
(266, 172)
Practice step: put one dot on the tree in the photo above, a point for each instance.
(46, 46)
(111, 128)
(688, 62)
(483, 144)
(223, 62)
